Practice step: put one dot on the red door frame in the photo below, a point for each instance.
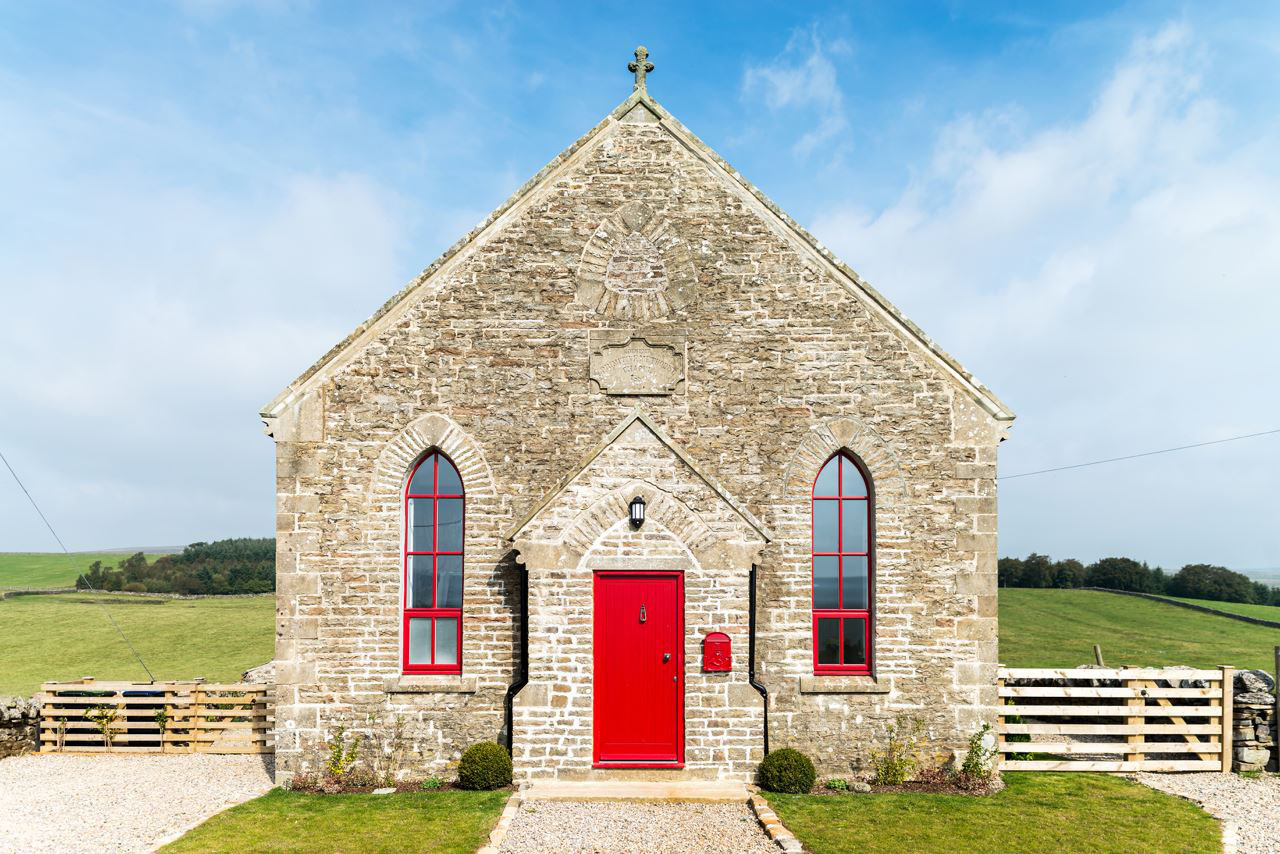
(597, 645)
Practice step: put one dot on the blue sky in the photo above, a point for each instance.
(1080, 201)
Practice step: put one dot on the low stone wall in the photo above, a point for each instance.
(19, 722)
(1189, 606)
(1254, 711)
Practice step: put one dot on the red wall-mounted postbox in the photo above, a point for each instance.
(717, 657)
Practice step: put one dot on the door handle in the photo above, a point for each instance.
(642, 616)
(666, 656)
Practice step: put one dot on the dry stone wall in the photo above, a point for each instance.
(19, 726)
(490, 360)
(1254, 712)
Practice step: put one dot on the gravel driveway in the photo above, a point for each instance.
(1253, 805)
(72, 804)
(565, 827)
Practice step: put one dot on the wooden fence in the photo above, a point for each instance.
(155, 717)
(1126, 719)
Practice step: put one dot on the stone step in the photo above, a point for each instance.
(700, 791)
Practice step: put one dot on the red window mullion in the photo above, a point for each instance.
(433, 613)
(841, 613)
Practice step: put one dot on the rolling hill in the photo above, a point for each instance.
(1058, 628)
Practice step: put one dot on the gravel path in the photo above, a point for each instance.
(1253, 805)
(561, 827)
(72, 804)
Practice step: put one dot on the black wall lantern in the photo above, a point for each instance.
(637, 512)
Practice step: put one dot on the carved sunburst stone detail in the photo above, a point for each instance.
(635, 266)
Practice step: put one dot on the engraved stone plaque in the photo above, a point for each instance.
(637, 365)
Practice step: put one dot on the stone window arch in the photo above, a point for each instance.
(434, 528)
(843, 552)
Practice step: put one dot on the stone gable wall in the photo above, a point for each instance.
(779, 360)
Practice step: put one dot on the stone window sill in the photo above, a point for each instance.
(843, 685)
(431, 685)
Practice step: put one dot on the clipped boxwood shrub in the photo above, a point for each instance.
(485, 765)
(788, 771)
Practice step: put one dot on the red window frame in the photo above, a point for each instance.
(840, 614)
(434, 553)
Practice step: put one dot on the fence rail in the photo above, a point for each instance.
(1115, 719)
(155, 717)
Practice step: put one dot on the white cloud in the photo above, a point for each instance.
(803, 78)
(148, 318)
(1115, 280)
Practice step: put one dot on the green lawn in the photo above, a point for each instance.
(441, 822)
(49, 569)
(1260, 612)
(66, 636)
(1057, 628)
(1037, 812)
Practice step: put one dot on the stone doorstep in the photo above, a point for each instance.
(698, 791)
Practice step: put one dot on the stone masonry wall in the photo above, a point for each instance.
(782, 365)
(19, 726)
(1254, 716)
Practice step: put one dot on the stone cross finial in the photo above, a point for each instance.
(640, 67)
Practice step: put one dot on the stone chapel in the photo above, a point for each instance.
(637, 479)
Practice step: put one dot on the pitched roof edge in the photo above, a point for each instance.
(635, 415)
(276, 405)
(984, 396)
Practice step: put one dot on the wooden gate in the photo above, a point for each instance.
(1108, 719)
(155, 717)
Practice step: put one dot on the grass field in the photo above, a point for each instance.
(66, 636)
(1051, 813)
(47, 569)
(295, 822)
(1057, 628)
(1260, 612)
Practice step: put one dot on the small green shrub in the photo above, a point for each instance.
(838, 784)
(431, 783)
(978, 759)
(788, 771)
(341, 755)
(485, 765)
(104, 718)
(893, 765)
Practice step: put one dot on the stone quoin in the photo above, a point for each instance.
(638, 321)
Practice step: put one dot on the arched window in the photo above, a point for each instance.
(433, 514)
(843, 560)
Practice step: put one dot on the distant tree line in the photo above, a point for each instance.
(1193, 581)
(243, 565)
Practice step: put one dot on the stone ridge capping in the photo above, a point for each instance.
(985, 397)
(1153, 597)
(638, 414)
(856, 284)
(396, 460)
(559, 162)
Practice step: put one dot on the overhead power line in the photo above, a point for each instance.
(1144, 454)
(81, 576)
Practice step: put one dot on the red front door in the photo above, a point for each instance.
(639, 668)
